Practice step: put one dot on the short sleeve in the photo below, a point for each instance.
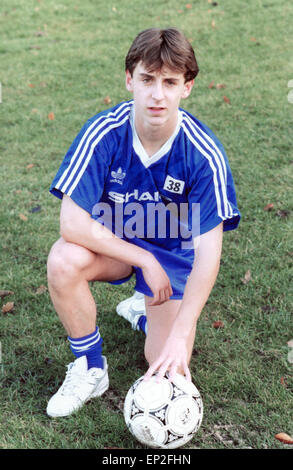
(212, 189)
(82, 172)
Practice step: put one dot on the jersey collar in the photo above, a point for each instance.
(139, 148)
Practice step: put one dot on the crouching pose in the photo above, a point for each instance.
(146, 190)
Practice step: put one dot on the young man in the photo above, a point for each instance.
(139, 155)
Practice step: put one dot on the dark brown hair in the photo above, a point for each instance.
(156, 47)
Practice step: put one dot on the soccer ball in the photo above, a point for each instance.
(163, 415)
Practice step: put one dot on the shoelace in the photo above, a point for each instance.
(72, 380)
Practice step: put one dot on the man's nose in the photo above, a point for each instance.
(157, 91)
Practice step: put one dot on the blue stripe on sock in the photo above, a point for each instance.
(142, 323)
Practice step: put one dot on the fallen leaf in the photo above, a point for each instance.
(41, 289)
(247, 277)
(282, 213)
(4, 293)
(188, 5)
(212, 84)
(213, 24)
(290, 343)
(31, 85)
(269, 207)
(227, 100)
(283, 437)
(218, 324)
(31, 165)
(107, 100)
(220, 85)
(253, 39)
(51, 116)
(283, 382)
(23, 217)
(8, 307)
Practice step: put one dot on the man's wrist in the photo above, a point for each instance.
(146, 260)
(183, 325)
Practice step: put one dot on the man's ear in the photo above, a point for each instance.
(187, 89)
(128, 81)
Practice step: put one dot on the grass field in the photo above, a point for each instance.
(60, 60)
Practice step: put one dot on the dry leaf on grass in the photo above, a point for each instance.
(285, 438)
(4, 293)
(23, 217)
(107, 100)
(269, 207)
(41, 289)
(218, 324)
(282, 213)
(283, 382)
(247, 277)
(8, 307)
(51, 116)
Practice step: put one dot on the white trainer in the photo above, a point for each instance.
(132, 309)
(80, 385)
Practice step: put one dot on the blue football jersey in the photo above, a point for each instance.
(158, 203)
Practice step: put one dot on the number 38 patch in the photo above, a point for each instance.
(174, 186)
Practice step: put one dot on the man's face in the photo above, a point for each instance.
(157, 95)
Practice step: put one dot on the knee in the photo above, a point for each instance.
(65, 262)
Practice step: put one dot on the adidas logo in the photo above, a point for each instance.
(118, 176)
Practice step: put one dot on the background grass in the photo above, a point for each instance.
(64, 58)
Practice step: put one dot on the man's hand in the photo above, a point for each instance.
(158, 281)
(170, 339)
(77, 227)
(174, 358)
